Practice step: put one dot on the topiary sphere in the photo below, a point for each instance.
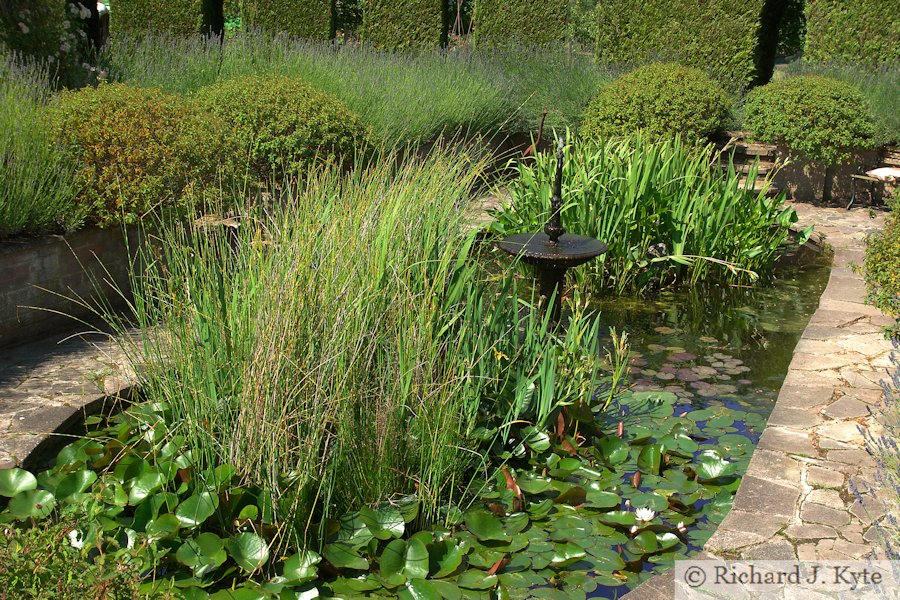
(283, 122)
(816, 117)
(140, 149)
(661, 99)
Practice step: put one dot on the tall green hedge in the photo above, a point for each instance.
(719, 36)
(177, 17)
(866, 31)
(526, 22)
(309, 19)
(404, 24)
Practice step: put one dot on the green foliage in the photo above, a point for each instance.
(137, 18)
(37, 181)
(660, 99)
(880, 86)
(310, 19)
(862, 31)
(882, 266)
(285, 123)
(48, 31)
(520, 22)
(43, 563)
(816, 117)
(400, 96)
(139, 150)
(403, 24)
(792, 32)
(717, 35)
(666, 216)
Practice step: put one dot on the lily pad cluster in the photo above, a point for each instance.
(599, 502)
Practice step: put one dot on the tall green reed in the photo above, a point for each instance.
(669, 211)
(37, 182)
(341, 345)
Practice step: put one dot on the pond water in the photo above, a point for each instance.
(716, 344)
(723, 352)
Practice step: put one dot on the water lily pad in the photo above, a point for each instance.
(485, 526)
(474, 579)
(143, 486)
(385, 523)
(612, 449)
(202, 554)
(342, 556)
(34, 504)
(444, 557)
(602, 500)
(618, 517)
(16, 481)
(301, 567)
(75, 483)
(196, 509)
(419, 589)
(709, 464)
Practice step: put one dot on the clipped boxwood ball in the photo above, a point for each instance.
(661, 99)
(140, 149)
(816, 117)
(284, 123)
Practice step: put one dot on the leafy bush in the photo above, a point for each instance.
(882, 266)
(666, 216)
(37, 181)
(662, 99)
(718, 35)
(880, 86)
(43, 563)
(310, 19)
(520, 22)
(285, 122)
(792, 31)
(178, 17)
(139, 149)
(863, 31)
(404, 24)
(818, 118)
(47, 30)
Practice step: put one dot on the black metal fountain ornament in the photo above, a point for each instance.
(554, 251)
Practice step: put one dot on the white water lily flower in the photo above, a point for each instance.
(644, 514)
(681, 527)
(634, 529)
(75, 539)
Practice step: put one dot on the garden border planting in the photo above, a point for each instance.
(810, 451)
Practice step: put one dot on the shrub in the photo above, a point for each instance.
(285, 122)
(177, 17)
(310, 19)
(880, 86)
(37, 181)
(864, 31)
(403, 24)
(718, 35)
(139, 149)
(520, 22)
(662, 99)
(816, 117)
(882, 267)
(46, 30)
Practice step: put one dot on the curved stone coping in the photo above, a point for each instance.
(49, 386)
(797, 499)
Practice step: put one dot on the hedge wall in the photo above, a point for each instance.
(309, 19)
(718, 36)
(404, 24)
(526, 22)
(178, 17)
(865, 31)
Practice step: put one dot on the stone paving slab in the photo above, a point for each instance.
(808, 492)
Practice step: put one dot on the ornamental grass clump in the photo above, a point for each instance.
(284, 123)
(339, 347)
(37, 180)
(140, 150)
(663, 99)
(668, 213)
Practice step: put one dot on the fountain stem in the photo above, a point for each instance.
(554, 228)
